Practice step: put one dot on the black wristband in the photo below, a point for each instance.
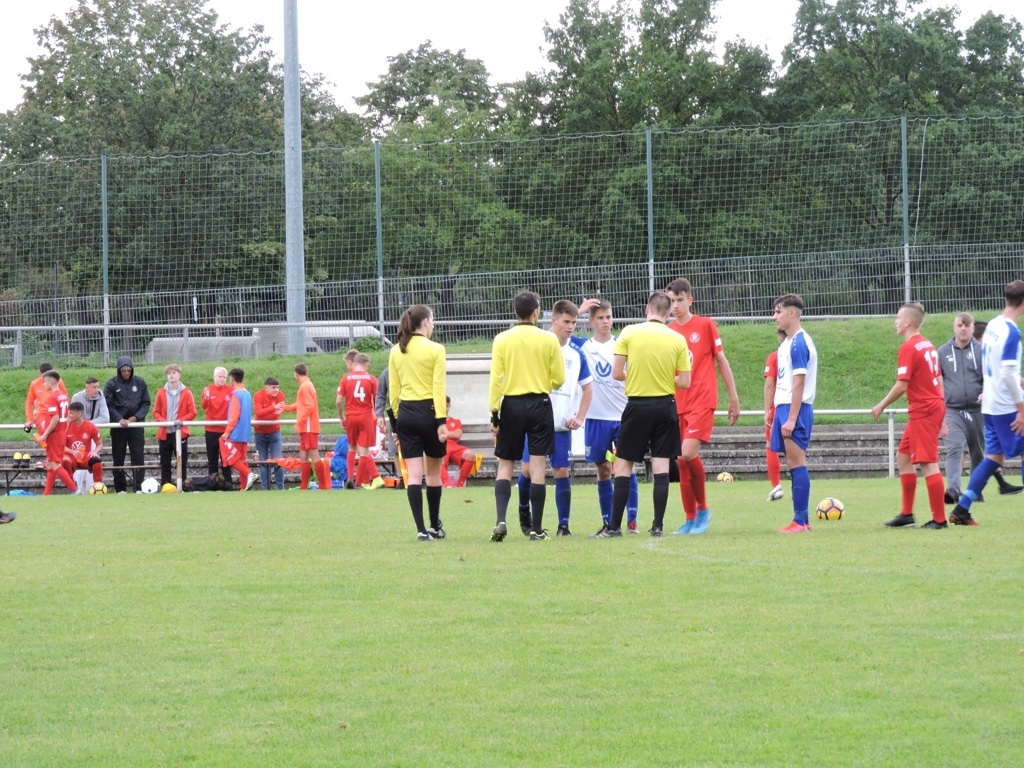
(440, 421)
(495, 421)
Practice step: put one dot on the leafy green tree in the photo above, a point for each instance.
(860, 58)
(149, 77)
(431, 94)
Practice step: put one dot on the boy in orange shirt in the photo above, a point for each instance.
(54, 434)
(36, 401)
(307, 425)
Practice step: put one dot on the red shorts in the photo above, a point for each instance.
(361, 430)
(309, 441)
(921, 438)
(55, 446)
(454, 452)
(232, 453)
(697, 425)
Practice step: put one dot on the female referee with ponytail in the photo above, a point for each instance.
(417, 380)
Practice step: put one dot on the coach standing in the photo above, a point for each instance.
(127, 399)
(526, 365)
(653, 361)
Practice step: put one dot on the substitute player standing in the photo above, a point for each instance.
(54, 434)
(771, 375)
(307, 425)
(919, 377)
(356, 393)
(696, 405)
(234, 443)
(654, 362)
(794, 404)
(526, 365)
(1002, 401)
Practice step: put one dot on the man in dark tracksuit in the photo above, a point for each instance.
(962, 380)
(127, 399)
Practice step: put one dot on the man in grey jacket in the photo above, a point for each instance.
(93, 402)
(962, 380)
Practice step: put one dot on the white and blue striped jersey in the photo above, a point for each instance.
(609, 395)
(565, 401)
(1000, 359)
(797, 356)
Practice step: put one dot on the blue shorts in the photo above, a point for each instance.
(600, 436)
(562, 455)
(999, 438)
(801, 432)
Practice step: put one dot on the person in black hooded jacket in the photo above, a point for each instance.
(127, 399)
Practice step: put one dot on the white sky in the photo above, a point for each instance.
(350, 42)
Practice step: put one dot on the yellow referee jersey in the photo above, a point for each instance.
(525, 360)
(418, 374)
(653, 352)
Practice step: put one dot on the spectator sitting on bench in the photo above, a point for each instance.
(83, 444)
(456, 453)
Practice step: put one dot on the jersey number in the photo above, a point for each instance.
(358, 392)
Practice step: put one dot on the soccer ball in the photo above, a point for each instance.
(97, 488)
(168, 488)
(830, 509)
(150, 485)
(724, 477)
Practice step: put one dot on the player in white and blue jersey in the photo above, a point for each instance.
(794, 404)
(569, 404)
(601, 430)
(1002, 400)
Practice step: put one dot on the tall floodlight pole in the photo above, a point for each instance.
(295, 260)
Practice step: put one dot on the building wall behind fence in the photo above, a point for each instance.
(746, 213)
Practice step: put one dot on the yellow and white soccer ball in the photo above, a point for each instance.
(830, 509)
(724, 477)
(97, 488)
(168, 488)
(150, 485)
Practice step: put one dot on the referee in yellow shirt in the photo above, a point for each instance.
(653, 360)
(526, 365)
(417, 398)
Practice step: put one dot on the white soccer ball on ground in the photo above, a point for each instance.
(150, 485)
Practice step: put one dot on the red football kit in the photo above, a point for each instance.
(57, 404)
(918, 365)
(359, 389)
(771, 371)
(696, 404)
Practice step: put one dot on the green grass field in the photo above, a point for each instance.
(311, 629)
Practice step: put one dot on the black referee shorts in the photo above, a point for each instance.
(525, 416)
(416, 427)
(649, 422)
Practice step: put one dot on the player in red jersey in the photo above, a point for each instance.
(82, 445)
(357, 391)
(696, 405)
(771, 374)
(456, 453)
(919, 377)
(36, 401)
(55, 434)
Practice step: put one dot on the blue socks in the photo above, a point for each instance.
(979, 478)
(801, 493)
(605, 492)
(563, 499)
(633, 504)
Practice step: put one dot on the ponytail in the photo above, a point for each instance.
(410, 322)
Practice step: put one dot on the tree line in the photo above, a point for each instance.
(550, 170)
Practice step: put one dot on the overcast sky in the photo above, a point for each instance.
(350, 42)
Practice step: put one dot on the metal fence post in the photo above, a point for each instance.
(906, 208)
(650, 211)
(380, 238)
(106, 264)
(891, 418)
